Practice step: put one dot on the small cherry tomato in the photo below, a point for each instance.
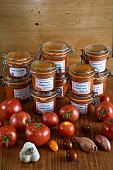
(69, 113)
(8, 136)
(66, 129)
(71, 155)
(104, 98)
(85, 128)
(107, 128)
(104, 111)
(53, 145)
(19, 120)
(67, 144)
(50, 119)
(10, 106)
(1, 123)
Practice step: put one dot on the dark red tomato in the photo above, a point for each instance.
(19, 120)
(104, 111)
(1, 123)
(104, 98)
(50, 119)
(107, 128)
(37, 133)
(66, 129)
(69, 113)
(71, 155)
(9, 107)
(8, 136)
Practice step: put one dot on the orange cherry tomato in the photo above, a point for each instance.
(53, 145)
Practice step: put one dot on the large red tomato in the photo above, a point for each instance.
(104, 111)
(8, 136)
(19, 120)
(69, 113)
(66, 129)
(9, 107)
(37, 133)
(107, 128)
(50, 119)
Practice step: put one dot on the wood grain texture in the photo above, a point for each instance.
(26, 24)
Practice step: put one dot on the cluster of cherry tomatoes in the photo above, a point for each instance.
(39, 133)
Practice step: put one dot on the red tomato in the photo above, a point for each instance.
(104, 111)
(8, 136)
(66, 129)
(107, 128)
(104, 98)
(37, 133)
(50, 119)
(19, 120)
(69, 113)
(9, 107)
(1, 123)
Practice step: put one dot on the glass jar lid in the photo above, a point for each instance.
(43, 66)
(82, 99)
(81, 70)
(96, 49)
(56, 48)
(18, 57)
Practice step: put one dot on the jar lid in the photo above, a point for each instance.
(103, 74)
(56, 48)
(43, 66)
(96, 50)
(9, 81)
(81, 70)
(18, 57)
(43, 95)
(85, 98)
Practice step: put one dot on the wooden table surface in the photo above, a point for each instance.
(101, 160)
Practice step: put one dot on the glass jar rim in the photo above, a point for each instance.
(7, 80)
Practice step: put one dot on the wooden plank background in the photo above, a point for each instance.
(26, 24)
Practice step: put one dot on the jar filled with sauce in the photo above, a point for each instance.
(44, 101)
(17, 64)
(81, 78)
(99, 85)
(43, 75)
(83, 103)
(96, 56)
(17, 88)
(57, 52)
(61, 86)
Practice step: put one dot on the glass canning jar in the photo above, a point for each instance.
(43, 75)
(17, 88)
(57, 52)
(81, 78)
(83, 103)
(61, 85)
(96, 56)
(99, 85)
(44, 101)
(17, 64)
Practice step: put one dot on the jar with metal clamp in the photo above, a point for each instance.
(17, 88)
(17, 64)
(44, 101)
(57, 52)
(96, 56)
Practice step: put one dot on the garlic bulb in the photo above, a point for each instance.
(29, 153)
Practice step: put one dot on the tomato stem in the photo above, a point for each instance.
(111, 120)
(68, 114)
(6, 140)
(102, 113)
(38, 126)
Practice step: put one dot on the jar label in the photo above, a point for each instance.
(59, 91)
(81, 88)
(60, 66)
(83, 108)
(22, 93)
(17, 72)
(98, 65)
(98, 88)
(44, 84)
(44, 107)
